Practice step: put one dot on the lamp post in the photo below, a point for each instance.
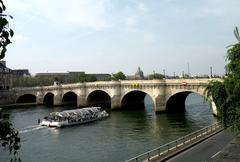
(211, 72)
(188, 68)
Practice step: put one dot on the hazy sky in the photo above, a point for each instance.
(107, 36)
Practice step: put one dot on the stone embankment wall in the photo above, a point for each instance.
(6, 97)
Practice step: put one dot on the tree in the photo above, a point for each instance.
(216, 92)
(155, 76)
(8, 135)
(119, 76)
(5, 32)
(226, 94)
(90, 78)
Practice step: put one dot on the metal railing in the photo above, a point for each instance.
(177, 144)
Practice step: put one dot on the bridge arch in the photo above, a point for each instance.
(176, 102)
(26, 98)
(99, 98)
(48, 98)
(70, 98)
(134, 99)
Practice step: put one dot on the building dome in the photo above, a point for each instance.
(139, 74)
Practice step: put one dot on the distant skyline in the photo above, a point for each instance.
(107, 36)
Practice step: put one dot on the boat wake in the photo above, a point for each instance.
(30, 128)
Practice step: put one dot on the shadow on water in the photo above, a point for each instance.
(197, 113)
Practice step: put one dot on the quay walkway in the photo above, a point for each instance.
(175, 147)
(206, 151)
(230, 153)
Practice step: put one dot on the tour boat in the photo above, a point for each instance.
(73, 117)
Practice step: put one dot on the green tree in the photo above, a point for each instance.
(119, 76)
(90, 78)
(5, 32)
(107, 78)
(8, 135)
(226, 94)
(155, 76)
(47, 81)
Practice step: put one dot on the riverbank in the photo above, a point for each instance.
(231, 153)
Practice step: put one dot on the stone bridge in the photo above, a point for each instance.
(166, 94)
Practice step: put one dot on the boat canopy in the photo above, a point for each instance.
(77, 112)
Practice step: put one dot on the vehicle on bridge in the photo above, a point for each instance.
(73, 117)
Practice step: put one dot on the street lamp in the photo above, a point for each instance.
(211, 72)
(164, 73)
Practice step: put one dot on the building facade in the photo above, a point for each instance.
(5, 76)
(139, 74)
(21, 73)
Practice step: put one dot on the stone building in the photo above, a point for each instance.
(5, 76)
(139, 74)
(20, 73)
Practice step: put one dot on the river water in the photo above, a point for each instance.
(121, 136)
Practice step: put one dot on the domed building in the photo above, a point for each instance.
(139, 74)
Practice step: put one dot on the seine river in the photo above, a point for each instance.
(121, 136)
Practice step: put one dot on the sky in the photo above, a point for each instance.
(107, 36)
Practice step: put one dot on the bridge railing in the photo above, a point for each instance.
(176, 145)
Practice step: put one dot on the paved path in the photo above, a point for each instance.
(206, 150)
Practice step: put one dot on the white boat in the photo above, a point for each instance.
(73, 117)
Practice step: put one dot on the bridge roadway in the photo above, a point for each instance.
(165, 93)
(206, 150)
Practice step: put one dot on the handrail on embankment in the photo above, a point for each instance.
(163, 152)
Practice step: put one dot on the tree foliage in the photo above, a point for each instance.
(8, 135)
(5, 32)
(119, 76)
(47, 81)
(156, 76)
(226, 94)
